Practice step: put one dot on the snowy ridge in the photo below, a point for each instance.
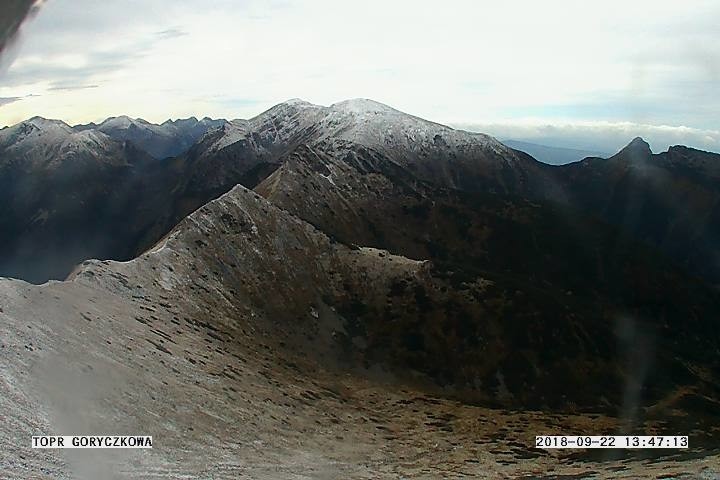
(48, 143)
(117, 122)
(282, 124)
(378, 126)
(362, 105)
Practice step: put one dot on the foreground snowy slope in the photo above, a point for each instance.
(226, 343)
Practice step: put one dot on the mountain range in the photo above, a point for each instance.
(311, 246)
(118, 179)
(168, 139)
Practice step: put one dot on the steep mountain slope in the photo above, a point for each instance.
(95, 212)
(244, 151)
(42, 143)
(66, 195)
(159, 363)
(385, 275)
(70, 194)
(527, 266)
(129, 211)
(669, 200)
(248, 151)
(168, 139)
(186, 344)
(429, 151)
(432, 152)
(664, 186)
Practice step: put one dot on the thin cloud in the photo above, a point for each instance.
(57, 72)
(7, 100)
(69, 88)
(171, 33)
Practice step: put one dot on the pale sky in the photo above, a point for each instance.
(511, 68)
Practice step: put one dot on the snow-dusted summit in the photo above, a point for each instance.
(40, 142)
(433, 151)
(361, 106)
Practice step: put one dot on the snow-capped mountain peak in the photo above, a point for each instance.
(123, 121)
(39, 143)
(45, 123)
(296, 101)
(362, 105)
